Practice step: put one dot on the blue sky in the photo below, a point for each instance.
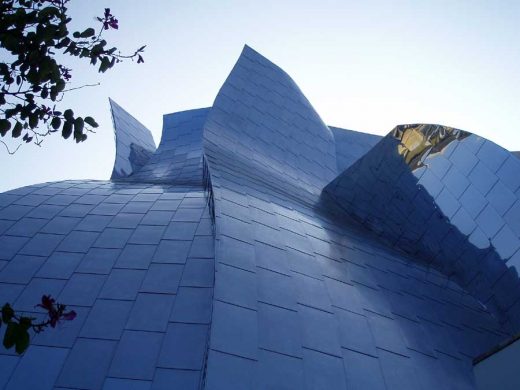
(364, 65)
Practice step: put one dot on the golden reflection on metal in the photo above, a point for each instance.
(419, 141)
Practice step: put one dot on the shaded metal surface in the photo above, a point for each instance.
(498, 369)
(450, 199)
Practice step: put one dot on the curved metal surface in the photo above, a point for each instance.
(450, 199)
(134, 143)
(134, 260)
(274, 284)
(263, 124)
(304, 299)
(351, 145)
(178, 159)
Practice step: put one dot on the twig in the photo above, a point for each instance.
(7, 147)
(81, 86)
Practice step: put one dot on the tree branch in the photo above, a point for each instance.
(80, 87)
(8, 150)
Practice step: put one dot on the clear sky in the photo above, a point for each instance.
(364, 65)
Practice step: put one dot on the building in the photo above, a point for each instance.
(257, 248)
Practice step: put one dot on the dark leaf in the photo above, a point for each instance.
(47, 12)
(53, 93)
(25, 323)
(17, 129)
(64, 42)
(87, 33)
(91, 122)
(67, 130)
(33, 120)
(60, 85)
(16, 132)
(10, 335)
(69, 115)
(22, 340)
(5, 125)
(105, 64)
(9, 112)
(7, 313)
(56, 123)
(79, 124)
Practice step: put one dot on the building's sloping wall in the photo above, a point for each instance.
(351, 146)
(447, 197)
(136, 264)
(263, 124)
(303, 300)
(272, 285)
(178, 159)
(134, 143)
(498, 368)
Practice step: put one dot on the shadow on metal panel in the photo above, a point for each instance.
(448, 198)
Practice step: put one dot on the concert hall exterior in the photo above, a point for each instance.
(258, 248)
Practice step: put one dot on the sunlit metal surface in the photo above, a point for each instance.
(351, 146)
(283, 142)
(134, 143)
(178, 159)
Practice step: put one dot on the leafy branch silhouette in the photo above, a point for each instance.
(18, 326)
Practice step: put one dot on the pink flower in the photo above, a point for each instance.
(47, 303)
(110, 21)
(69, 316)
